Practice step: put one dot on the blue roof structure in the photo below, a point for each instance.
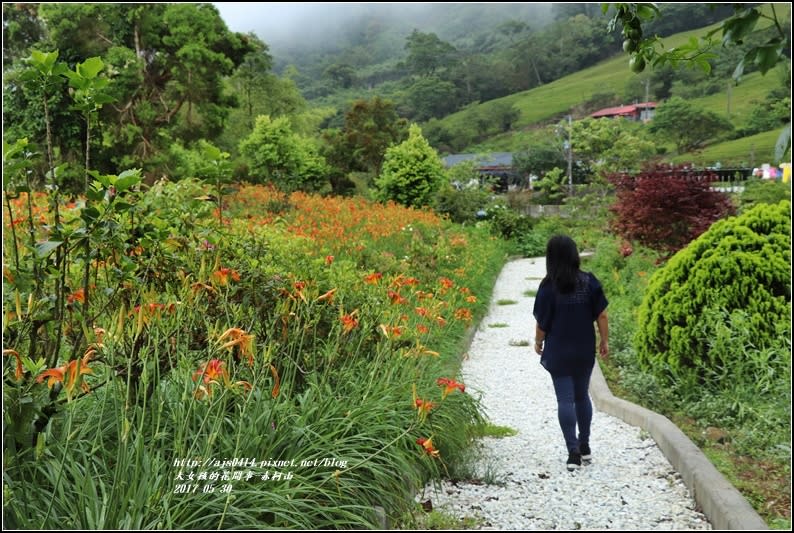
(485, 161)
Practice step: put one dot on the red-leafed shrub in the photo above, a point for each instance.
(666, 206)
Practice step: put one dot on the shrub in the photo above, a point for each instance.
(277, 155)
(412, 172)
(461, 205)
(665, 207)
(507, 223)
(739, 264)
(758, 191)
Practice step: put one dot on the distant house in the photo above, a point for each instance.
(640, 112)
(495, 164)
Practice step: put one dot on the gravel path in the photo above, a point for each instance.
(629, 485)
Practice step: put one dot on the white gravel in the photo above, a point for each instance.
(629, 485)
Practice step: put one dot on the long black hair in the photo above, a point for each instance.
(562, 263)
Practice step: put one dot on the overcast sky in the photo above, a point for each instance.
(256, 16)
(279, 22)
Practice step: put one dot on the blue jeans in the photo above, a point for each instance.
(573, 407)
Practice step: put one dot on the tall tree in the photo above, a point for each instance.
(432, 97)
(427, 53)
(167, 63)
(22, 28)
(686, 125)
(277, 155)
(370, 127)
(252, 73)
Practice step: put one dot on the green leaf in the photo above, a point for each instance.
(767, 57)
(44, 61)
(45, 248)
(127, 179)
(736, 28)
(783, 143)
(95, 195)
(89, 214)
(90, 67)
(102, 99)
(647, 11)
(29, 75)
(11, 150)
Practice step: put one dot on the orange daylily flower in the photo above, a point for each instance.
(69, 374)
(422, 329)
(298, 286)
(276, 381)
(373, 278)
(446, 283)
(390, 331)
(441, 321)
(239, 338)
(329, 259)
(328, 296)
(463, 314)
(427, 444)
(471, 299)
(423, 406)
(199, 286)
(99, 333)
(19, 369)
(396, 298)
(349, 322)
(449, 386)
(76, 296)
(222, 275)
(212, 371)
(244, 384)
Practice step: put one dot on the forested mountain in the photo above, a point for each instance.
(481, 51)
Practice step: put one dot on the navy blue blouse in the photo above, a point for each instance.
(567, 319)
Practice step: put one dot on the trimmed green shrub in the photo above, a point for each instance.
(740, 263)
(412, 172)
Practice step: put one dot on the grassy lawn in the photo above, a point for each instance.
(747, 151)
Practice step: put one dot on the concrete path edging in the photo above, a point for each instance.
(720, 501)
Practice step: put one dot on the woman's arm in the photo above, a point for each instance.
(603, 334)
(540, 336)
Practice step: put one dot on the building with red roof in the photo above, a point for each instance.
(643, 112)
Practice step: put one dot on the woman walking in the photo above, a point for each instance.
(567, 303)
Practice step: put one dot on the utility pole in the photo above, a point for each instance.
(730, 91)
(570, 158)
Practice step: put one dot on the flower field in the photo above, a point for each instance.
(292, 365)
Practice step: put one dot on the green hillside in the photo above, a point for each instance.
(550, 102)
(544, 103)
(749, 151)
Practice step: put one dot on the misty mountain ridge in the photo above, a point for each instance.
(383, 28)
